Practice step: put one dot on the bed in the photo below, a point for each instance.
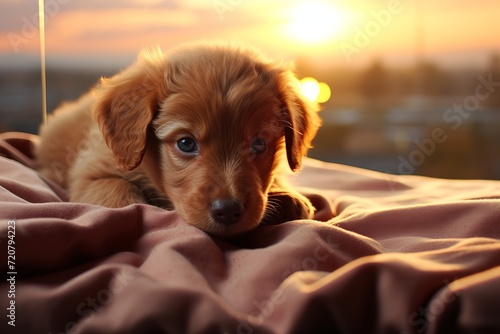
(384, 254)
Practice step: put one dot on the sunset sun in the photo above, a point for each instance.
(315, 21)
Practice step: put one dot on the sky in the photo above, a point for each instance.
(325, 33)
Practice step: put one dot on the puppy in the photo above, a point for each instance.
(202, 129)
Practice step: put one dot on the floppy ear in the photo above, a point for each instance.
(300, 119)
(126, 105)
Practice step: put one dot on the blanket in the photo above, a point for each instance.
(384, 254)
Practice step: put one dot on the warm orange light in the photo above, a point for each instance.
(309, 88)
(315, 21)
(324, 93)
(315, 91)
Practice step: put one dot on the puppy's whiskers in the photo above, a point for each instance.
(272, 209)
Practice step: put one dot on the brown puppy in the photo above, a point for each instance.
(201, 129)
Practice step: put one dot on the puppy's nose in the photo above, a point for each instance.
(227, 211)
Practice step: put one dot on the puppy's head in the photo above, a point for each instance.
(212, 122)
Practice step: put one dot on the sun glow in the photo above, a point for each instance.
(316, 21)
(315, 91)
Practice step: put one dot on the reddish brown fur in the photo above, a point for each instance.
(220, 95)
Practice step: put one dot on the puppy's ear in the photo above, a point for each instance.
(126, 105)
(300, 119)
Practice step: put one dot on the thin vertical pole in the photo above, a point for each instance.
(41, 17)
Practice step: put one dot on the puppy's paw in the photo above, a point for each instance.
(287, 206)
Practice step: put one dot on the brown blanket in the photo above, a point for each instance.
(397, 254)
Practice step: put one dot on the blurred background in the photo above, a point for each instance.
(406, 86)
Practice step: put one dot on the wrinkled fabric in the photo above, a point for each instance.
(384, 254)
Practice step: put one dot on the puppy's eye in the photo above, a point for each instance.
(258, 145)
(187, 145)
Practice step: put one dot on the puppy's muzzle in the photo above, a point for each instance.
(227, 211)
